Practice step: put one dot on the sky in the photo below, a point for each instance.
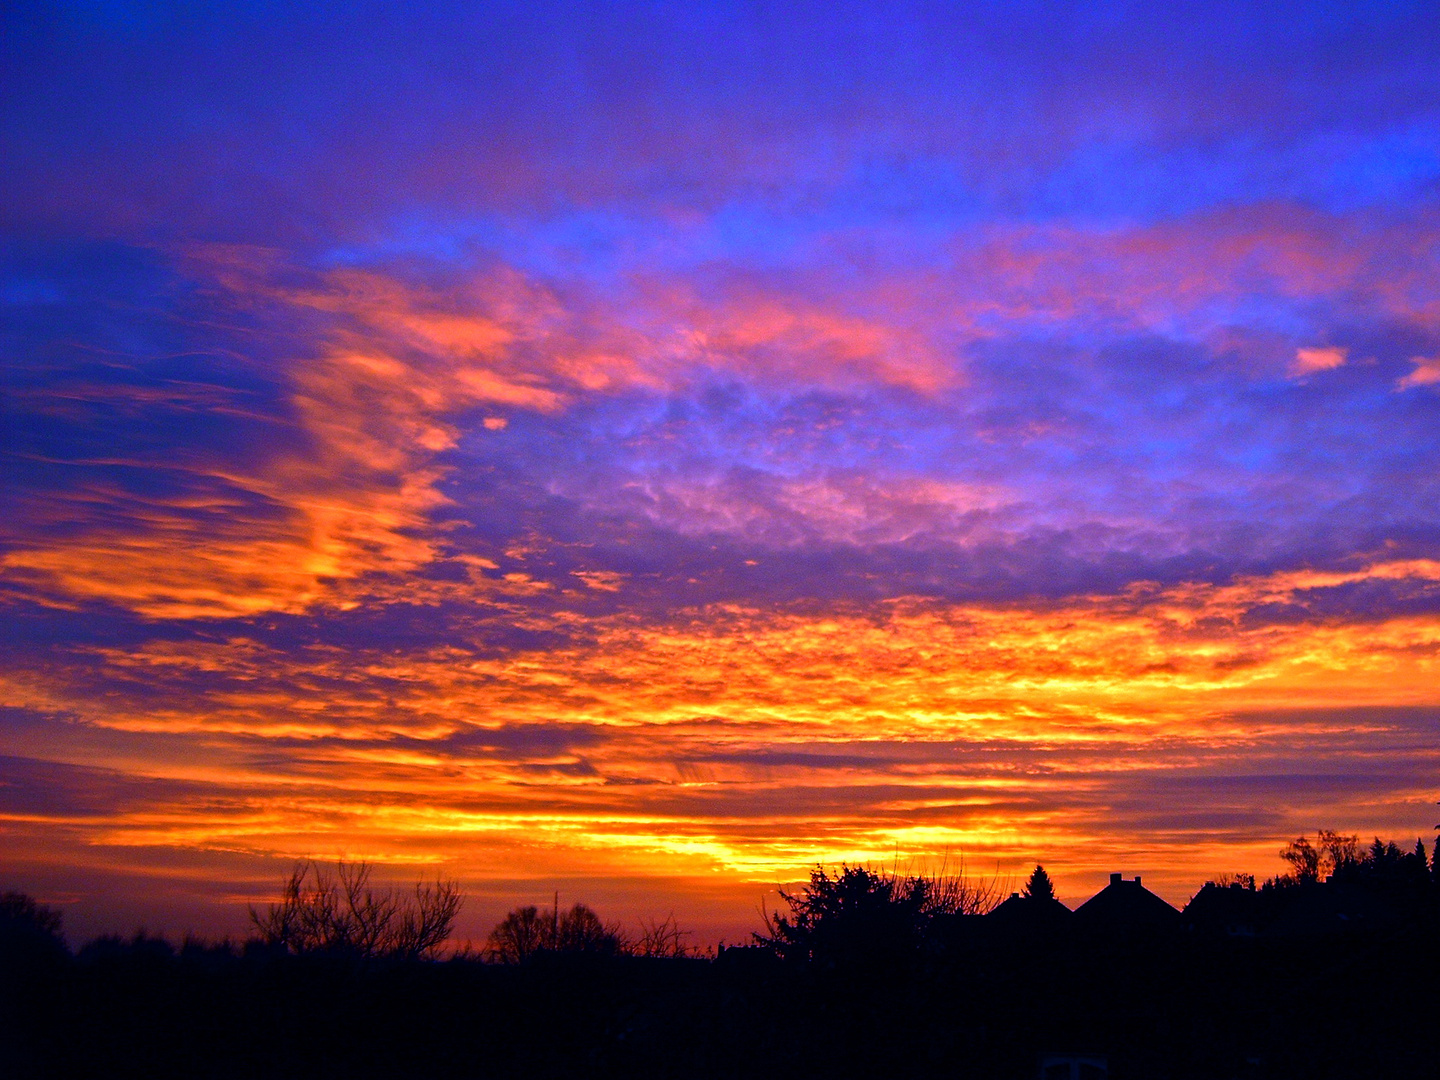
(642, 451)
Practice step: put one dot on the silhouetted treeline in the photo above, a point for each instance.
(866, 973)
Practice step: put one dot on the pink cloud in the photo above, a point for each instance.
(1426, 373)
(1309, 361)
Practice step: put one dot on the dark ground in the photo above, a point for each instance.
(1170, 1005)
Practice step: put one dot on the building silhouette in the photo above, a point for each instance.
(1125, 907)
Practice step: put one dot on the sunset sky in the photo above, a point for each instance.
(644, 450)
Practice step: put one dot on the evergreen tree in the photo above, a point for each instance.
(1039, 887)
(1435, 862)
(1414, 866)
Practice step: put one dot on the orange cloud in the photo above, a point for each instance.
(395, 367)
(745, 744)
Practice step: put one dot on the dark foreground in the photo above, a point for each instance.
(1172, 1005)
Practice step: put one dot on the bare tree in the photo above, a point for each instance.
(1337, 851)
(957, 893)
(662, 938)
(1304, 860)
(425, 924)
(1331, 852)
(339, 912)
(520, 935)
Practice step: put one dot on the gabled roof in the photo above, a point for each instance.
(1126, 905)
(1227, 909)
(1030, 913)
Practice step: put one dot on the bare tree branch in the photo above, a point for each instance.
(341, 913)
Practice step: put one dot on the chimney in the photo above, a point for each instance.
(1137, 879)
(1114, 879)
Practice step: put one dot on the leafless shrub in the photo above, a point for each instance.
(957, 892)
(662, 938)
(426, 922)
(1227, 880)
(339, 912)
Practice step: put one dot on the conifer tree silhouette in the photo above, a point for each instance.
(1039, 887)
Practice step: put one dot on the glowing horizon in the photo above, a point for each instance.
(645, 455)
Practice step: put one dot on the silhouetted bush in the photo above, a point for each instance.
(862, 917)
(520, 935)
(528, 931)
(29, 931)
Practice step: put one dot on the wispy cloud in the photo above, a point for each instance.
(1426, 373)
(1309, 361)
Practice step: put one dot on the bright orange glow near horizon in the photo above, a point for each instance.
(698, 764)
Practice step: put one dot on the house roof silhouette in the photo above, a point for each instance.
(1030, 913)
(1231, 910)
(1126, 905)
